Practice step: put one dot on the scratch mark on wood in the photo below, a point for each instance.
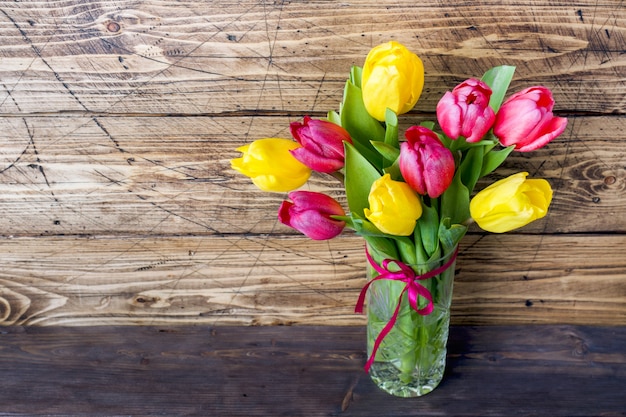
(106, 132)
(56, 74)
(43, 60)
(39, 166)
(348, 398)
(19, 157)
(111, 180)
(178, 63)
(318, 92)
(153, 265)
(10, 96)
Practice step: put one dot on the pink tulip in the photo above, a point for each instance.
(310, 214)
(322, 144)
(465, 111)
(526, 120)
(426, 165)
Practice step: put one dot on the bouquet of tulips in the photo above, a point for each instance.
(411, 200)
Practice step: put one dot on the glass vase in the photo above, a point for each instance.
(411, 358)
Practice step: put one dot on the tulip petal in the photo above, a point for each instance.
(270, 165)
(526, 120)
(449, 115)
(554, 128)
(320, 163)
(393, 77)
(310, 213)
(465, 111)
(322, 144)
(316, 226)
(393, 207)
(412, 168)
(426, 165)
(511, 203)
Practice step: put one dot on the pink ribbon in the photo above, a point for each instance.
(413, 289)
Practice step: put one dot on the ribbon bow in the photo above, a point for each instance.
(413, 289)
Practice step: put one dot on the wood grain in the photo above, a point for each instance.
(171, 175)
(303, 371)
(118, 121)
(215, 57)
(247, 280)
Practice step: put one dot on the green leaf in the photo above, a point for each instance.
(334, 117)
(451, 236)
(498, 79)
(461, 144)
(420, 253)
(428, 225)
(394, 171)
(436, 255)
(493, 159)
(389, 152)
(391, 129)
(406, 249)
(455, 201)
(405, 246)
(428, 124)
(362, 127)
(447, 142)
(361, 225)
(381, 248)
(356, 75)
(360, 175)
(471, 167)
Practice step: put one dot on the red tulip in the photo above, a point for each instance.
(310, 214)
(526, 120)
(426, 165)
(465, 111)
(322, 144)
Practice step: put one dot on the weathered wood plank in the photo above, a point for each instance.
(272, 280)
(118, 120)
(212, 57)
(171, 175)
(303, 371)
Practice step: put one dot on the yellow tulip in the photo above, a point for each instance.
(511, 203)
(393, 77)
(270, 165)
(394, 206)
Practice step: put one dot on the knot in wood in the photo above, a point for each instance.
(610, 180)
(113, 27)
(5, 309)
(580, 349)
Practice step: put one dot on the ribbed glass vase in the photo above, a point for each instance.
(411, 358)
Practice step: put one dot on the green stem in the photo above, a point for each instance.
(407, 250)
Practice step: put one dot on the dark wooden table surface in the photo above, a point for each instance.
(546, 370)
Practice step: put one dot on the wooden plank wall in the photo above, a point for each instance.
(118, 120)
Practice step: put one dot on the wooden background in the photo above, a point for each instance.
(118, 120)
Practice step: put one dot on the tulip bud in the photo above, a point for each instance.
(426, 165)
(393, 77)
(465, 111)
(310, 214)
(394, 206)
(270, 165)
(526, 120)
(511, 203)
(322, 144)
